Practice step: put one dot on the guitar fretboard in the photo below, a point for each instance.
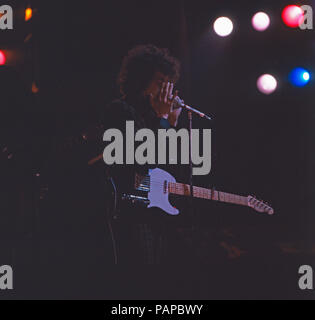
(203, 193)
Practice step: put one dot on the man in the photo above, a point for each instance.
(146, 80)
(77, 242)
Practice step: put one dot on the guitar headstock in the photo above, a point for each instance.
(259, 205)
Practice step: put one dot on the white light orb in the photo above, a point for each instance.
(223, 26)
(266, 84)
(306, 76)
(260, 21)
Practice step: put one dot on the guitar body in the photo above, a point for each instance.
(158, 194)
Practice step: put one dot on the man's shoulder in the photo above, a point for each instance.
(119, 107)
(116, 113)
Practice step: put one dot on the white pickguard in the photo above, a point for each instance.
(158, 194)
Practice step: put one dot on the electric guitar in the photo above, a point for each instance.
(159, 184)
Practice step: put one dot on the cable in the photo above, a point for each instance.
(109, 220)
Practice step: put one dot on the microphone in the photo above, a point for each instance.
(179, 103)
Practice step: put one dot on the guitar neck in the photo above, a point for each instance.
(203, 193)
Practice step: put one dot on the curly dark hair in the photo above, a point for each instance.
(139, 66)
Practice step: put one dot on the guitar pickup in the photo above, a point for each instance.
(142, 183)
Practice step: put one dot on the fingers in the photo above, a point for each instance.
(170, 93)
(175, 95)
(162, 91)
(173, 99)
(167, 92)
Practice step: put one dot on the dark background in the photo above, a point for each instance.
(261, 144)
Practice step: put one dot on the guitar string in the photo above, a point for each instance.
(199, 192)
(159, 183)
(228, 198)
(240, 199)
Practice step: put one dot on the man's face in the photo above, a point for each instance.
(156, 84)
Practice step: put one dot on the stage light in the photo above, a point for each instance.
(306, 76)
(223, 26)
(2, 58)
(266, 84)
(35, 89)
(292, 16)
(260, 21)
(28, 14)
(299, 77)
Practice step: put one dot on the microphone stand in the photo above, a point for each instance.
(192, 213)
(190, 110)
(189, 113)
